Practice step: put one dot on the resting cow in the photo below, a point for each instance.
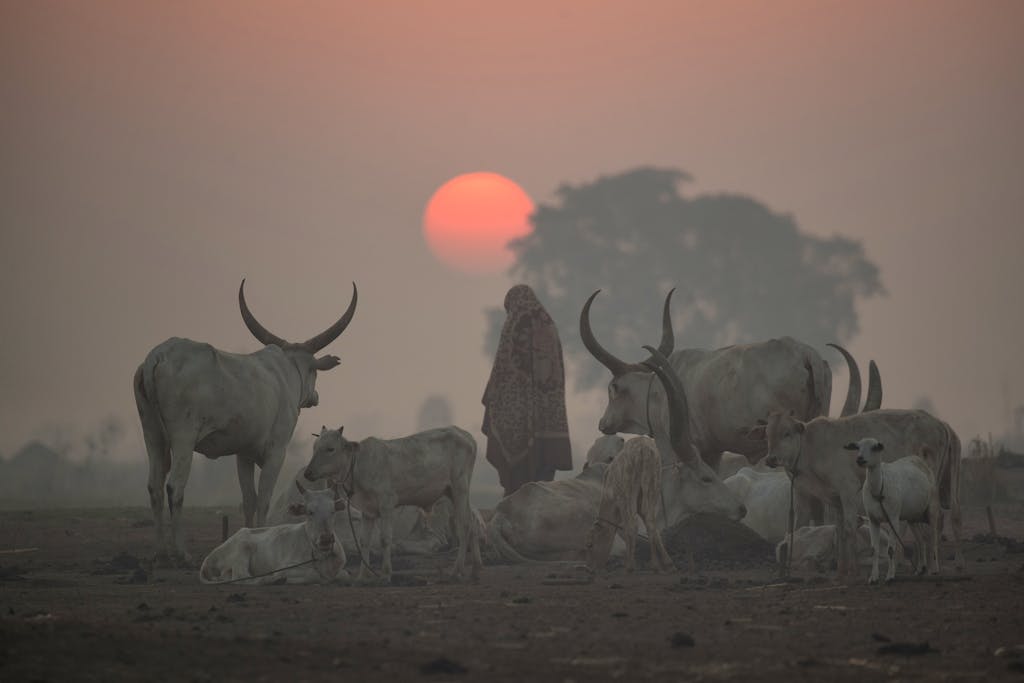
(378, 475)
(268, 555)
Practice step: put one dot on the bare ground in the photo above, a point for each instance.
(69, 610)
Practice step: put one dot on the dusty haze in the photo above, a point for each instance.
(155, 156)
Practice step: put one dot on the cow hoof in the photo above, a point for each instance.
(873, 581)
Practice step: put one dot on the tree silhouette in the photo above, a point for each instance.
(742, 272)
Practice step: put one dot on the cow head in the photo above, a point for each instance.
(784, 434)
(630, 401)
(869, 451)
(604, 450)
(318, 507)
(699, 488)
(332, 456)
(303, 354)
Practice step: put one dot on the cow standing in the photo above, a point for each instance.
(193, 397)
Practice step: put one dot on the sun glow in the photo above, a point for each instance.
(470, 219)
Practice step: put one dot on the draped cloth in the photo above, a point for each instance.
(524, 402)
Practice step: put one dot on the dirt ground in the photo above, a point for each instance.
(75, 605)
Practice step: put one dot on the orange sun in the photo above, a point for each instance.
(471, 218)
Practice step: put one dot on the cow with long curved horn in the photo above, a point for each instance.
(728, 389)
(193, 397)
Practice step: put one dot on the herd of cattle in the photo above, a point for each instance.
(741, 432)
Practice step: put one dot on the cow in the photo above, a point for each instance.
(604, 449)
(549, 520)
(812, 454)
(901, 490)
(305, 552)
(415, 532)
(766, 495)
(378, 475)
(631, 488)
(728, 388)
(194, 397)
(815, 546)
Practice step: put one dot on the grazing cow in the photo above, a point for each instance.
(604, 450)
(812, 453)
(632, 486)
(193, 397)
(268, 555)
(766, 495)
(550, 520)
(379, 475)
(903, 489)
(728, 389)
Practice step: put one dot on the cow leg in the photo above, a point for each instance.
(847, 535)
(873, 529)
(921, 548)
(387, 529)
(246, 467)
(159, 466)
(956, 522)
(181, 465)
(935, 529)
(462, 513)
(269, 470)
(629, 532)
(366, 531)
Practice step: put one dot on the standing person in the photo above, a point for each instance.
(524, 402)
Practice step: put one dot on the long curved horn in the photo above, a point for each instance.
(262, 334)
(603, 356)
(874, 399)
(678, 408)
(853, 391)
(314, 344)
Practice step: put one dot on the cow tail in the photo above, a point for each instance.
(497, 541)
(949, 486)
(144, 385)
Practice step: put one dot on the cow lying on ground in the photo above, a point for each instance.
(266, 555)
(900, 490)
(415, 532)
(632, 487)
(766, 495)
(378, 475)
(815, 547)
(550, 520)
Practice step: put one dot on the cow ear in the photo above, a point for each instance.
(323, 428)
(341, 430)
(852, 447)
(758, 433)
(297, 509)
(339, 504)
(326, 362)
(878, 447)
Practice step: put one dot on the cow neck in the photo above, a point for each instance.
(650, 427)
(301, 383)
(348, 484)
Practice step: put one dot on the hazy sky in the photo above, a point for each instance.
(154, 154)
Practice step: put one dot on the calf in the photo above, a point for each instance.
(378, 475)
(900, 490)
(632, 486)
(270, 554)
(766, 496)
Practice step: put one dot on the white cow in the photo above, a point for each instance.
(305, 552)
(415, 532)
(379, 475)
(766, 495)
(812, 452)
(631, 488)
(550, 520)
(815, 547)
(901, 490)
(604, 450)
(193, 397)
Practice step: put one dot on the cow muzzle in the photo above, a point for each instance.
(313, 401)
(861, 461)
(325, 542)
(771, 461)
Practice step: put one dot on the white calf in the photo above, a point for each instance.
(306, 552)
(766, 496)
(378, 475)
(632, 486)
(903, 489)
